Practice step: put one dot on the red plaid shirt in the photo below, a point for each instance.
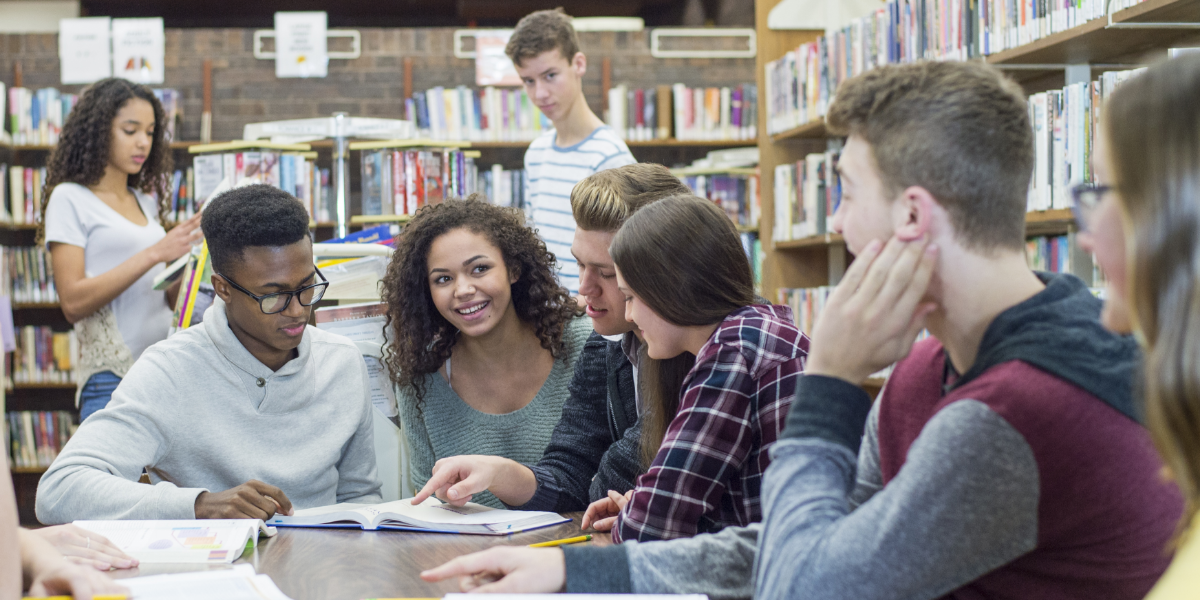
(733, 405)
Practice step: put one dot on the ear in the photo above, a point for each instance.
(222, 288)
(913, 213)
(514, 275)
(579, 63)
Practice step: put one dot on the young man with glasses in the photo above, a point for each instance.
(250, 413)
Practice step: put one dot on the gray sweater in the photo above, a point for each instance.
(447, 426)
(193, 413)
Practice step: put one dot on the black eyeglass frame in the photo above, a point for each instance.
(1085, 197)
(323, 284)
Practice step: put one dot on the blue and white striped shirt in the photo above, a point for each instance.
(552, 171)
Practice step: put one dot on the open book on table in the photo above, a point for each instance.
(198, 541)
(429, 516)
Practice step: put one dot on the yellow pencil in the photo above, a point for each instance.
(574, 540)
(94, 597)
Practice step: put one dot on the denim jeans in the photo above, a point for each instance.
(96, 393)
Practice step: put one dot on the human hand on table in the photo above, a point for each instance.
(48, 573)
(602, 514)
(85, 548)
(251, 500)
(506, 569)
(873, 316)
(458, 478)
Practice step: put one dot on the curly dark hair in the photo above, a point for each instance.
(82, 150)
(420, 338)
(253, 215)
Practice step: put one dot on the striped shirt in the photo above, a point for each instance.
(552, 171)
(708, 472)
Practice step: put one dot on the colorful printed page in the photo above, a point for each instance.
(201, 541)
(238, 583)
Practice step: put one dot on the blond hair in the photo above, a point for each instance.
(604, 200)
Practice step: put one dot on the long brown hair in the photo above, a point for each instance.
(420, 339)
(81, 154)
(682, 256)
(1153, 129)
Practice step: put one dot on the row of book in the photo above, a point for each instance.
(802, 84)
(1065, 123)
(683, 113)
(1059, 254)
(36, 437)
(26, 274)
(807, 194)
(44, 355)
(737, 195)
(21, 193)
(36, 117)
(490, 114)
(293, 172)
(504, 187)
(398, 182)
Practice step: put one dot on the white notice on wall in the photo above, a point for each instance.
(301, 49)
(492, 65)
(138, 48)
(84, 53)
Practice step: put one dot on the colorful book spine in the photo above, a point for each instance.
(34, 438)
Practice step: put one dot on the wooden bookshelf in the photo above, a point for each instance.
(49, 147)
(810, 130)
(36, 306)
(43, 386)
(28, 470)
(812, 241)
(1039, 223)
(667, 143)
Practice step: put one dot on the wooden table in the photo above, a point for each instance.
(351, 564)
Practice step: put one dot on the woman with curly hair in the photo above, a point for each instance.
(482, 340)
(104, 230)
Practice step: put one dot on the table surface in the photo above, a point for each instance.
(351, 564)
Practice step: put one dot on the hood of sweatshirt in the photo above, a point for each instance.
(1058, 330)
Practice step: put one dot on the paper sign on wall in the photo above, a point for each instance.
(84, 53)
(492, 66)
(138, 48)
(301, 49)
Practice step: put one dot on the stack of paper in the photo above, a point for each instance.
(238, 583)
(200, 541)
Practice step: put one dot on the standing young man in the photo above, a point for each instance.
(545, 51)
(250, 413)
(1002, 460)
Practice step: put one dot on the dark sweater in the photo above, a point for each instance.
(596, 445)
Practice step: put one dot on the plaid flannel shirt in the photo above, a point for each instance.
(733, 405)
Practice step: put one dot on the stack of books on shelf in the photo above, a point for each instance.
(21, 194)
(293, 172)
(44, 355)
(1064, 124)
(397, 181)
(34, 438)
(807, 194)
(802, 84)
(36, 117)
(1049, 253)
(172, 103)
(504, 187)
(490, 114)
(683, 113)
(736, 194)
(26, 274)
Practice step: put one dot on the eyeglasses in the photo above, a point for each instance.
(278, 302)
(1085, 197)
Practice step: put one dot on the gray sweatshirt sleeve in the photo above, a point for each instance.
(358, 480)
(718, 564)
(96, 474)
(870, 475)
(964, 504)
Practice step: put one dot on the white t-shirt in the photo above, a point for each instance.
(77, 217)
(553, 170)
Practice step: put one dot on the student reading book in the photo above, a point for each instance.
(429, 516)
(482, 341)
(598, 444)
(218, 413)
(1002, 459)
(545, 51)
(1140, 220)
(104, 230)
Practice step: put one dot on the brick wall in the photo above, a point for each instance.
(245, 89)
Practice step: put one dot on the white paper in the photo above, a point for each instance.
(84, 49)
(301, 48)
(492, 65)
(237, 583)
(138, 48)
(179, 541)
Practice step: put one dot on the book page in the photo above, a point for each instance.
(237, 583)
(446, 514)
(200, 541)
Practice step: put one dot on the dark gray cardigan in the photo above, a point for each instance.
(595, 446)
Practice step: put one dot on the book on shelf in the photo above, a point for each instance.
(26, 274)
(1061, 254)
(172, 104)
(399, 181)
(43, 355)
(293, 172)
(504, 187)
(34, 438)
(36, 117)
(737, 195)
(683, 113)
(204, 541)
(21, 194)
(807, 194)
(801, 85)
(430, 516)
(488, 114)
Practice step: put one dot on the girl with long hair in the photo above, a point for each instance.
(689, 291)
(104, 230)
(482, 340)
(1142, 222)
